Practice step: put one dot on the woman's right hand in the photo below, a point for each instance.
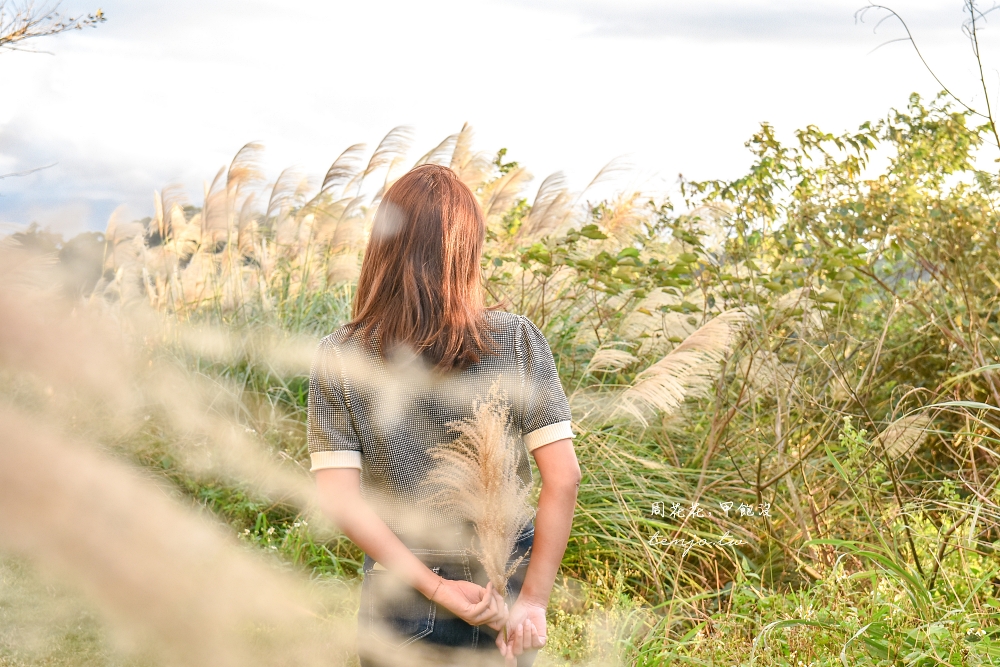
(526, 631)
(472, 603)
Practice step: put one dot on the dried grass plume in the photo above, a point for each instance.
(687, 370)
(903, 436)
(477, 477)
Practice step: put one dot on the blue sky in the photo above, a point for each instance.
(167, 92)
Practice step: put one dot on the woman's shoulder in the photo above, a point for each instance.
(337, 337)
(508, 326)
(344, 337)
(503, 319)
(513, 331)
(513, 323)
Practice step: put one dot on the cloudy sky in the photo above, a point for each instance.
(167, 92)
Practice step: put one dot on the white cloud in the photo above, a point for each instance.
(750, 20)
(167, 92)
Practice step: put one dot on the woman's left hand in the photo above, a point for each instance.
(526, 630)
(472, 603)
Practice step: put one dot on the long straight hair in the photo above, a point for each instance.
(421, 278)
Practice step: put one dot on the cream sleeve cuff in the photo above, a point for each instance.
(344, 458)
(547, 434)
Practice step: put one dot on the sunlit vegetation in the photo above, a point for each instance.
(785, 386)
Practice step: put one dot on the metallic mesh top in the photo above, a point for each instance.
(383, 416)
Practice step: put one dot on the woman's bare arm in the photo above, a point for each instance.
(340, 499)
(560, 471)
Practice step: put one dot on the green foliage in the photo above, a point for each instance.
(504, 167)
(873, 296)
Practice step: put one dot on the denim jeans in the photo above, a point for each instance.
(395, 618)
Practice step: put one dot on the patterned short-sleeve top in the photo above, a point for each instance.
(384, 417)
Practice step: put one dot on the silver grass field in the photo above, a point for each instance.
(793, 373)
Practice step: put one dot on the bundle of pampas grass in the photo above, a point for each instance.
(476, 477)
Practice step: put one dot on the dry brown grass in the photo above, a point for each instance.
(477, 476)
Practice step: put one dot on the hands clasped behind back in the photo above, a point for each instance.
(472, 603)
(340, 498)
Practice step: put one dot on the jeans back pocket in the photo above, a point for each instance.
(393, 612)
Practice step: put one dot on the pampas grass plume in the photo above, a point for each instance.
(688, 370)
(477, 477)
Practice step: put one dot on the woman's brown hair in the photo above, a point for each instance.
(421, 278)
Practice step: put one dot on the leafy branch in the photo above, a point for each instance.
(21, 21)
(971, 29)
